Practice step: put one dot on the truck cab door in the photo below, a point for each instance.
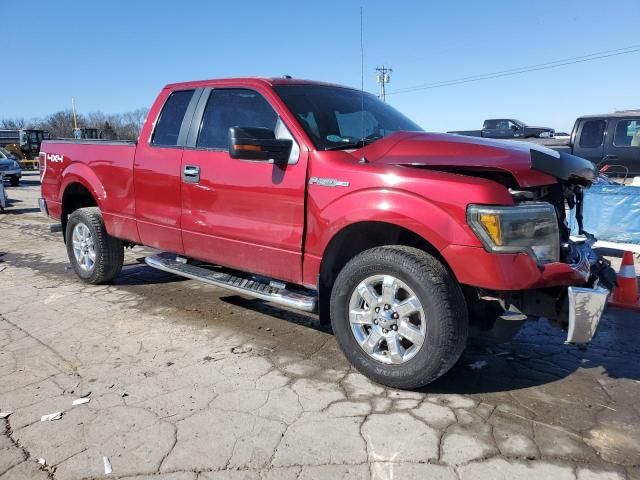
(622, 147)
(590, 137)
(496, 129)
(157, 170)
(243, 214)
(515, 130)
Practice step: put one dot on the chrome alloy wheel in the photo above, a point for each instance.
(84, 248)
(387, 319)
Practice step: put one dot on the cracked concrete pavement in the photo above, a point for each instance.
(169, 399)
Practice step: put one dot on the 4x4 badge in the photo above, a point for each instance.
(327, 182)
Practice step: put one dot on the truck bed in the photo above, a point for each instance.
(90, 141)
(92, 164)
(468, 133)
(548, 142)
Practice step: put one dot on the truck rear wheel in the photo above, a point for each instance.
(95, 256)
(399, 316)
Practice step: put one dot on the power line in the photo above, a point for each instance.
(520, 70)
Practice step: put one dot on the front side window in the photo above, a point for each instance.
(334, 117)
(170, 121)
(627, 134)
(233, 107)
(592, 133)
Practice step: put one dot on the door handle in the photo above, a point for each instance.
(191, 174)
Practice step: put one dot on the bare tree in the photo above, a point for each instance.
(136, 118)
(122, 126)
(13, 123)
(58, 124)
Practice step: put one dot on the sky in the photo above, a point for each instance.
(115, 56)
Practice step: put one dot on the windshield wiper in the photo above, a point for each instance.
(358, 144)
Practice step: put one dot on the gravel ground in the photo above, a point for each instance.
(188, 381)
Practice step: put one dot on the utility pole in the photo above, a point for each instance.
(383, 77)
(76, 130)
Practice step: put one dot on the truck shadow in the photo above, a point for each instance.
(536, 356)
(14, 208)
(30, 181)
(137, 273)
(10, 210)
(133, 273)
(279, 313)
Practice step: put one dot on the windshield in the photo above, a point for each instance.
(35, 136)
(334, 117)
(520, 123)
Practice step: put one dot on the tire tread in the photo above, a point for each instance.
(109, 252)
(426, 270)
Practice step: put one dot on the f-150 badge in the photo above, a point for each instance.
(327, 182)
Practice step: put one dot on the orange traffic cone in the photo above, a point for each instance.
(625, 295)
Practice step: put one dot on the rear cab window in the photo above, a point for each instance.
(170, 121)
(592, 133)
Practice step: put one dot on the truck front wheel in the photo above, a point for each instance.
(95, 256)
(399, 316)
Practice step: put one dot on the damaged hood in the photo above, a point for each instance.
(528, 163)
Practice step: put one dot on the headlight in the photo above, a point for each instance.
(531, 228)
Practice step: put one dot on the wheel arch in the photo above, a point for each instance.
(354, 239)
(75, 195)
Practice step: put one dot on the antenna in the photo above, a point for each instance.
(364, 158)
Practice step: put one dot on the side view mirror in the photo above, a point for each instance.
(254, 143)
(514, 128)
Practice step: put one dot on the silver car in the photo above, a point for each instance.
(10, 168)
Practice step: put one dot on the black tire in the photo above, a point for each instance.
(109, 251)
(443, 304)
(14, 181)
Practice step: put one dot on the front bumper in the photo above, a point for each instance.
(13, 172)
(586, 307)
(476, 267)
(576, 303)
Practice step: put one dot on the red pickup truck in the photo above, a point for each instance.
(322, 198)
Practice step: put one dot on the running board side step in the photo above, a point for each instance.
(258, 288)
